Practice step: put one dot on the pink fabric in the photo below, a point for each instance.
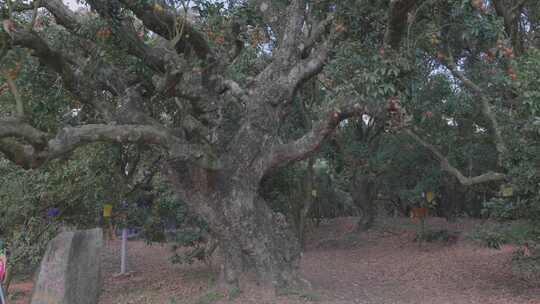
(2, 270)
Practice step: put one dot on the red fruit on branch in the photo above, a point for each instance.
(440, 56)
(220, 40)
(508, 53)
(393, 103)
(104, 33)
(490, 56)
(511, 73)
(340, 28)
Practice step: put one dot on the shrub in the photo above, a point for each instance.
(494, 235)
(499, 209)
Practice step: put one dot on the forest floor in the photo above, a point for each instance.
(382, 266)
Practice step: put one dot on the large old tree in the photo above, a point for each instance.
(210, 92)
(180, 104)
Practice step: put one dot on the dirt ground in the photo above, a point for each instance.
(383, 266)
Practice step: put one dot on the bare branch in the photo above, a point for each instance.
(316, 35)
(301, 148)
(34, 16)
(22, 155)
(309, 67)
(466, 81)
(446, 166)
(68, 139)
(486, 110)
(162, 22)
(17, 128)
(47, 56)
(289, 45)
(124, 30)
(71, 22)
(62, 14)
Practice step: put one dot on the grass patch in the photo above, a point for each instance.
(233, 293)
(210, 298)
(302, 294)
(494, 235)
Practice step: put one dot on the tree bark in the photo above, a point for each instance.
(363, 194)
(308, 202)
(252, 237)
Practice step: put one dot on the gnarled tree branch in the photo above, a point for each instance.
(15, 127)
(309, 67)
(292, 35)
(301, 148)
(162, 22)
(31, 40)
(316, 35)
(124, 31)
(486, 110)
(446, 166)
(70, 138)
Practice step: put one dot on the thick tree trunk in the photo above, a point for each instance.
(308, 202)
(252, 237)
(258, 240)
(363, 193)
(452, 202)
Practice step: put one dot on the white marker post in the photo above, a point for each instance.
(2, 299)
(123, 258)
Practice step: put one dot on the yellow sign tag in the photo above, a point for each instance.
(314, 193)
(107, 210)
(507, 191)
(429, 196)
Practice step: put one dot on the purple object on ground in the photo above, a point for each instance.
(53, 212)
